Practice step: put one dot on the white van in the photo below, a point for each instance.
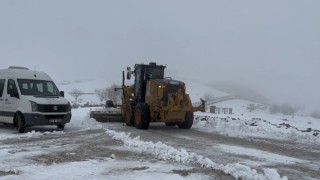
(29, 98)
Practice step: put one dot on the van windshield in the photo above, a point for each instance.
(38, 87)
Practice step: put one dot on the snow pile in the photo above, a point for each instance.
(81, 120)
(165, 152)
(6, 135)
(264, 158)
(37, 133)
(14, 134)
(254, 127)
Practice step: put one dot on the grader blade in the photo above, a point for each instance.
(107, 115)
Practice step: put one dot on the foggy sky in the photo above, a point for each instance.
(271, 46)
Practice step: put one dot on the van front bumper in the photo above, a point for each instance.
(32, 119)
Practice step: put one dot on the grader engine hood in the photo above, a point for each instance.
(175, 101)
(172, 86)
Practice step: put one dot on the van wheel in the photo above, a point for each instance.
(60, 127)
(21, 123)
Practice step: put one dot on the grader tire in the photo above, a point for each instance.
(129, 115)
(142, 116)
(187, 124)
(60, 127)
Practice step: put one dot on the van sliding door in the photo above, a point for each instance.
(10, 102)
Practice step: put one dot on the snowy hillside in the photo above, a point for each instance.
(88, 86)
(259, 123)
(195, 90)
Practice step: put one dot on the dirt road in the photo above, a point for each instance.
(296, 161)
(81, 146)
(300, 161)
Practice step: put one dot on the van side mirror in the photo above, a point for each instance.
(62, 93)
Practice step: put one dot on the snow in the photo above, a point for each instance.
(243, 123)
(194, 89)
(100, 169)
(165, 152)
(81, 120)
(197, 90)
(88, 86)
(261, 156)
(14, 160)
(111, 165)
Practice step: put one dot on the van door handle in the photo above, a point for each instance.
(1, 99)
(5, 99)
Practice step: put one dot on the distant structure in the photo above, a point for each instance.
(220, 110)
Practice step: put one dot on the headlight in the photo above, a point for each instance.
(163, 86)
(34, 106)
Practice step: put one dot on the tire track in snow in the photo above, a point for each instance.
(165, 152)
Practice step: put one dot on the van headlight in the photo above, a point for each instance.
(34, 106)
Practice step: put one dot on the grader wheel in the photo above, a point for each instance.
(129, 118)
(187, 124)
(141, 116)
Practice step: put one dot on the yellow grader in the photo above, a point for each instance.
(153, 98)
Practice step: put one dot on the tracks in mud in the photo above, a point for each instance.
(52, 149)
(308, 155)
(96, 144)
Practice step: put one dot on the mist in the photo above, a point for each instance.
(271, 47)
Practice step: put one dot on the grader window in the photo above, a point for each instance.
(154, 73)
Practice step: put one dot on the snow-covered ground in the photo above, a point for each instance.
(14, 161)
(194, 89)
(44, 153)
(259, 124)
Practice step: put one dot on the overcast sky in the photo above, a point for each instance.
(272, 46)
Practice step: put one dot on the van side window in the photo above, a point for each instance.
(12, 87)
(2, 81)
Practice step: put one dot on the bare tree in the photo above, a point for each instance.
(251, 107)
(113, 95)
(76, 93)
(208, 97)
(102, 94)
(109, 93)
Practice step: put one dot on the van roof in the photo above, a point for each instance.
(23, 73)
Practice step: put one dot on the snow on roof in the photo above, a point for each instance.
(24, 73)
